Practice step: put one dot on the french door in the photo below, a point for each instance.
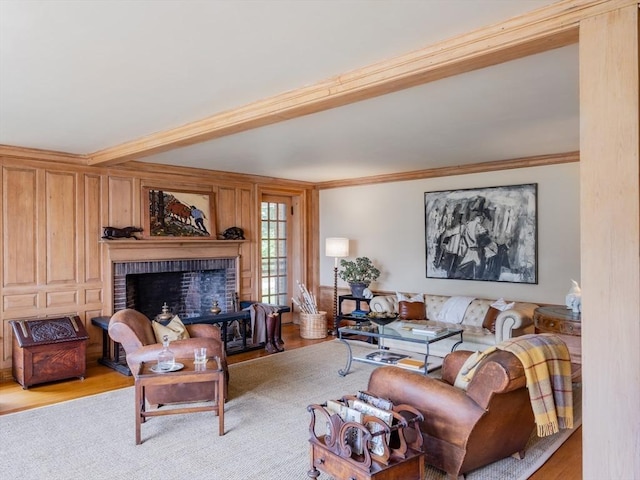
(275, 248)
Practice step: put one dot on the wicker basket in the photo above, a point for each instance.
(313, 325)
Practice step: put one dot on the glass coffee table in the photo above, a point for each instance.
(405, 333)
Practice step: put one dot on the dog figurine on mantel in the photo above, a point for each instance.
(112, 233)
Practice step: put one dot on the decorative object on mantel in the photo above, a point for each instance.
(111, 233)
(358, 273)
(215, 309)
(336, 247)
(233, 233)
(573, 299)
(166, 315)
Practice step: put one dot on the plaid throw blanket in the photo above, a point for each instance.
(547, 368)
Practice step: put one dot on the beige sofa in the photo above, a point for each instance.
(483, 325)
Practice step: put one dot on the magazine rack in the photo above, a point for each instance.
(332, 454)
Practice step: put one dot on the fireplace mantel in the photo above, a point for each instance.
(126, 250)
(144, 250)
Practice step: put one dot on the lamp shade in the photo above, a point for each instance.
(337, 247)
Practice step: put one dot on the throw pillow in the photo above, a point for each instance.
(411, 310)
(402, 297)
(461, 382)
(175, 330)
(489, 321)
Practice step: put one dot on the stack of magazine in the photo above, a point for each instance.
(355, 410)
(385, 356)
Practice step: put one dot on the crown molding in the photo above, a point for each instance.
(535, 161)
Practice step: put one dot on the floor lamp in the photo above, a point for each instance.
(337, 248)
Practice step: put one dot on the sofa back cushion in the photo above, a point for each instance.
(490, 319)
(473, 317)
(411, 310)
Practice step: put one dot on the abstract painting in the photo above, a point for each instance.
(482, 234)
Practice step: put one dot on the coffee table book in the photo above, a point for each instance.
(411, 364)
(384, 356)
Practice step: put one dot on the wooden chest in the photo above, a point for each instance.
(49, 349)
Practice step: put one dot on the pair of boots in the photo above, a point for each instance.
(274, 341)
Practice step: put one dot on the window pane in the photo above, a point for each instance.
(282, 248)
(282, 211)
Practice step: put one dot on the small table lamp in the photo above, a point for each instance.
(336, 247)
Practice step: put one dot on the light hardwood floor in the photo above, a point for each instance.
(565, 464)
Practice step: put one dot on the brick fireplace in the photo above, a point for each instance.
(187, 274)
(188, 287)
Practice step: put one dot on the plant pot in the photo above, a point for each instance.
(357, 289)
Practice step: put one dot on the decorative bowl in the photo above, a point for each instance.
(382, 318)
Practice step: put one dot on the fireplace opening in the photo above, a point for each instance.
(189, 287)
(187, 294)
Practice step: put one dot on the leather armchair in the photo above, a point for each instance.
(133, 331)
(465, 430)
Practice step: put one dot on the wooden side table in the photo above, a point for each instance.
(210, 372)
(561, 321)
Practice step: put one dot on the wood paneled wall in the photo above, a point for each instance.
(51, 220)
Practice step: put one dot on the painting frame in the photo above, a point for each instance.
(181, 213)
(483, 234)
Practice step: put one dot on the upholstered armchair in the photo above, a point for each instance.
(465, 430)
(134, 332)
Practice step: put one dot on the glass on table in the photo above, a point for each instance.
(200, 355)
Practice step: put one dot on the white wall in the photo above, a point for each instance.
(385, 222)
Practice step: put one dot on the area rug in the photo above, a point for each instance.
(266, 424)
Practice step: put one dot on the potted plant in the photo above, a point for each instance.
(358, 273)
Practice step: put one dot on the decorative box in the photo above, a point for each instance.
(49, 349)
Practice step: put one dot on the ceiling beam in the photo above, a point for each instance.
(550, 27)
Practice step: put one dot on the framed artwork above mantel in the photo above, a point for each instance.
(171, 213)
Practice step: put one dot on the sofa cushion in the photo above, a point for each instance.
(411, 310)
(410, 297)
(490, 319)
(175, 330)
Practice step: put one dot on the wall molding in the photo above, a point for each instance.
(535, 161)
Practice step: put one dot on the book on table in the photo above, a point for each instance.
(385, 356)
(411, 363)
(429, 331)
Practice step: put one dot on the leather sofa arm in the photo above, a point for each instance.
(517, 318)
(452, 364)
(204, 330)
(435, 399)
(499, 372)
